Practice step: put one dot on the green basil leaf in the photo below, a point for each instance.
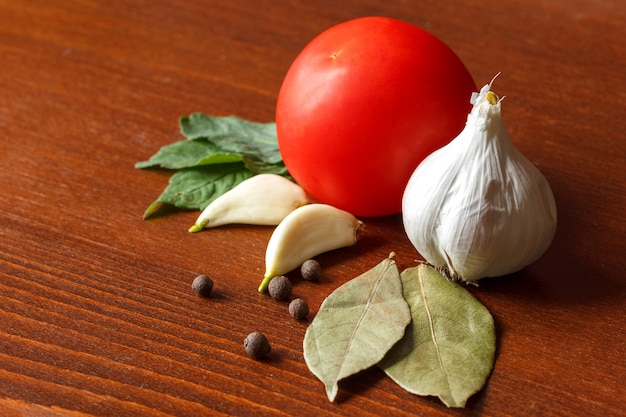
(260, 167)
(234, 135)
(356, 325)
(188, 153)
(197, 187)
(448, 350)
(237, 148)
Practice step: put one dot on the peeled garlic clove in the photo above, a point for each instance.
(477, 207)
(264, 199)
(306, 232)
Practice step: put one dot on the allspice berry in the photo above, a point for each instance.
(202, 285)
(298, 308)
(280, 288)
(256, 345)
(311, 270)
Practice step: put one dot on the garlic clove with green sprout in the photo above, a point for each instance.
(477, 207)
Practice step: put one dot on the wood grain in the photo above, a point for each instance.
(97, 316)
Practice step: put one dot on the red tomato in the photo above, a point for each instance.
(362, 105)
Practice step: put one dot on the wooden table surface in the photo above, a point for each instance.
(97, 316)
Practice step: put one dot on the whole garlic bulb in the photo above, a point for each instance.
(477, 207)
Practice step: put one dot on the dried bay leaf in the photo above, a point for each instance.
(448, 350)
(356, 325)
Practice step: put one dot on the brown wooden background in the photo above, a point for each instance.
(97, 317)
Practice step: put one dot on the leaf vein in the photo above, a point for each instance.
(433, 335)
(363, 314)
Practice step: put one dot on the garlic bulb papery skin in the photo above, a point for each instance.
(477, 207)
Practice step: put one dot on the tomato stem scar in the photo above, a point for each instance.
(334, 55)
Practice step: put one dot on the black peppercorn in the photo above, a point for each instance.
(280, 288)
(202, 285)
(256, 345)
(311, 270)
(298, 308)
